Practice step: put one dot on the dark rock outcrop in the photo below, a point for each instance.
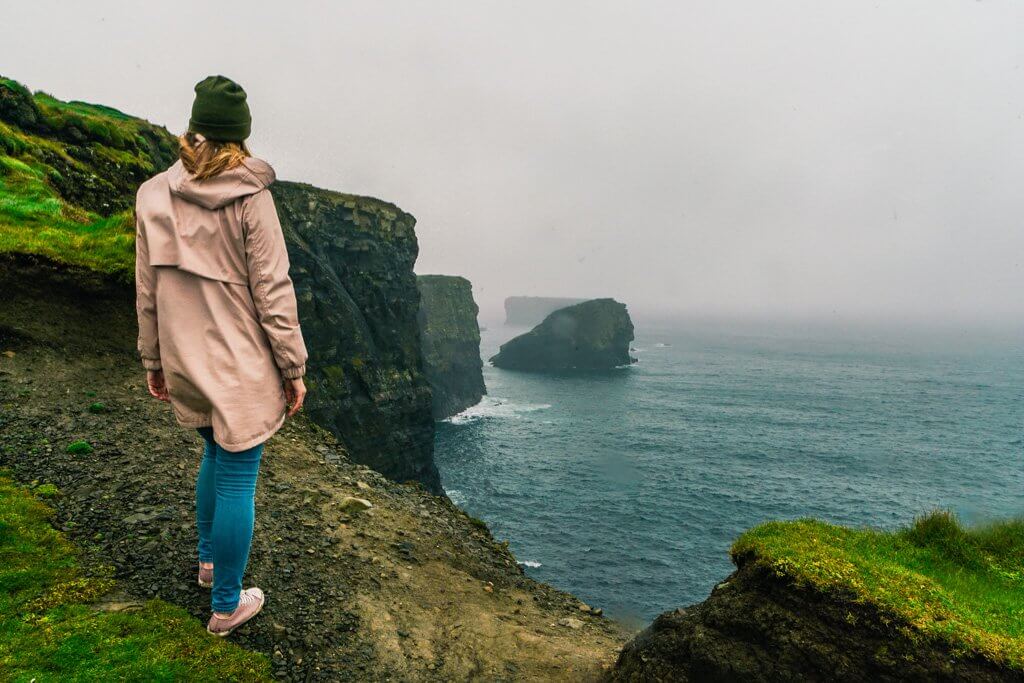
(351, 262)
(756, 626)
(592, 335)
(450, 340)
(531, 310)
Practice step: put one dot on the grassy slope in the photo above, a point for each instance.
(67, 170)
(49, 631)
(964, 587)
(34, 220)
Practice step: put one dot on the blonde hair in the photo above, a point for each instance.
(205, 158)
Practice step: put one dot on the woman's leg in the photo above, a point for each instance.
(232, 524)
(206, 495)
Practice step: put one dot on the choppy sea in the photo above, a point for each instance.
(627, 487)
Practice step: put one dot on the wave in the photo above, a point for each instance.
(456, 496)
(532, 564)
(495, 407)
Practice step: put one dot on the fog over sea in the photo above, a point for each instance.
(627, 487)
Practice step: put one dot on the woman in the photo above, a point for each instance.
(219, 332)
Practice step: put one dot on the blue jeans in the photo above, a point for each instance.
(225, 507)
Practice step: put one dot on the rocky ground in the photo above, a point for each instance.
(409, 589)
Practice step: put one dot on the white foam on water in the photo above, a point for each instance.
(533, 564)
(456, 496)
(496, 407)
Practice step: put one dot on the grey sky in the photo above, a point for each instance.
(855, 158)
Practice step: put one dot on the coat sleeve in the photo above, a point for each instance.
(145, 301)
(271, 287)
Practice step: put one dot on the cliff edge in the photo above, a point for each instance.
(352, 265)
(366, 579)
(813, 601)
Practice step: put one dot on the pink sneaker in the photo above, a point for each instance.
(250, 602)
(205, 576)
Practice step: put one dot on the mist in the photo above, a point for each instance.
(843, 159)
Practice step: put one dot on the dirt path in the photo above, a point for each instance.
(410, 589)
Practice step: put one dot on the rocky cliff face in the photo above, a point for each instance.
(68, 176)
(351, 262)
(450, 339)
(530, 310)
(588, 336)
(758, 626)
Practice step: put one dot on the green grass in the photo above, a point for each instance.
(34, 219)
(85, 108)
(68, 179)
(80, 446)
(49, 631)
(961, 586)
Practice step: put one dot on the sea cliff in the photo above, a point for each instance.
(450, 340)
(351, 262)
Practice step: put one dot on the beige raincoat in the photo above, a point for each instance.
(215, 303)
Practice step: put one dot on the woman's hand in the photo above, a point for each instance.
(157, 385)
(294, 394)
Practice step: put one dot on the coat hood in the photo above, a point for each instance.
(248, 178)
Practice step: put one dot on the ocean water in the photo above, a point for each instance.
(627, 487)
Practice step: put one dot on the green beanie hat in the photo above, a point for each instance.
(220, 111)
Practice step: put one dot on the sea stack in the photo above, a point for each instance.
(593, 335)
(450, 340)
